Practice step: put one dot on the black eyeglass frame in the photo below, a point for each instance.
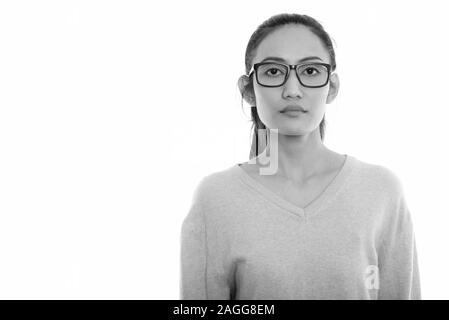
(290, 67)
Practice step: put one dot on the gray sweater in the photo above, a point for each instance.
(240, 240)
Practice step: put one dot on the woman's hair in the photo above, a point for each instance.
(267, 27)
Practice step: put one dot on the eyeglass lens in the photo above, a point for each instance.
(274, 74)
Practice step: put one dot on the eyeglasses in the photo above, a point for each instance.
(310, 75)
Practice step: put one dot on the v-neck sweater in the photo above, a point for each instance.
(355, 240)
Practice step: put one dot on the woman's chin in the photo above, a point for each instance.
(291, 131)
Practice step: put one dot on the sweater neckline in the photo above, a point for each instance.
(313, 207)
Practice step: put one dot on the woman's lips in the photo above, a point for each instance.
(293, 107)
(293, 113)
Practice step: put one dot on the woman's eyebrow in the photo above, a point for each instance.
(282, 60)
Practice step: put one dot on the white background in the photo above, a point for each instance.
(112, 111)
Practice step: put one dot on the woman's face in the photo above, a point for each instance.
(292, 43)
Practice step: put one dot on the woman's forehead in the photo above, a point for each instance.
(291, 43)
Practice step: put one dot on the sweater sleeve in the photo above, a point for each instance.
(398, 260)
(201, 277)
(193, 256)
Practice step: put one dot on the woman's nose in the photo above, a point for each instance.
(292, 87)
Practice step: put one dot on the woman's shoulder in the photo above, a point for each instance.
(217, 183)
(377, 175)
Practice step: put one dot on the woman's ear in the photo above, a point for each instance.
(243, 83)
(333, 88)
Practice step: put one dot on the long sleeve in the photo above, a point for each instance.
(203, 275)
(193, 256)
(398, 260)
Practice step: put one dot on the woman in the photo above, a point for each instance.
(316, 224)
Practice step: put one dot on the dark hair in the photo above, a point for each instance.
(267, 27)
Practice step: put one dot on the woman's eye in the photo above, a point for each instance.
(310, 71)
(273, 71)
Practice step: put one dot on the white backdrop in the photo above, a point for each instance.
(112, 111)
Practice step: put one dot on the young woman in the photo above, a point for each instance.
(318, 224)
